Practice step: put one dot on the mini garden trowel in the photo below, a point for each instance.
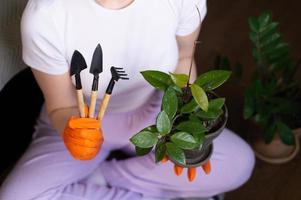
(78, 64)
(117, 74)
(96, 69)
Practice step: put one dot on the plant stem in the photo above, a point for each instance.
(191, 61)
(194, 47)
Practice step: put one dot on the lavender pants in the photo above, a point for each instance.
(47, 171)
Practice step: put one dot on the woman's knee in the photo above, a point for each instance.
(232, 166)
(17, 187)
(16, 190)
(237, 162)
(243, 166)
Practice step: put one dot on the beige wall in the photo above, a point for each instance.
(10, 42)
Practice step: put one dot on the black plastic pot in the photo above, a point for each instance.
(198, 157)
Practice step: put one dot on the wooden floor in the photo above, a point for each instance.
(272, 182)
(225, 31)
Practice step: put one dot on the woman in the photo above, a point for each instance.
(136, 35)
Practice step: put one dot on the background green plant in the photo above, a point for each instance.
(273, 97)
(188, 112)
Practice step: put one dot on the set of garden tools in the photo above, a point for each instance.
(78, 64)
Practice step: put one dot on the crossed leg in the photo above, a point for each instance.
(47, 171)
(232, 164)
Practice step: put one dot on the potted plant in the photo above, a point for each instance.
(191, 116)
(272, 99)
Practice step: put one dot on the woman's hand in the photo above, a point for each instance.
(83, 137)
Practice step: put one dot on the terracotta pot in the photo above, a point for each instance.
(277, 152)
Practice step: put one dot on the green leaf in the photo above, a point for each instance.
(256, 54)
(254, 24)
(180, 80)
(194, 118)
(261, 118)
(210, 114)
(249, 103)
(270, 29)
(142, 151)
(269, 46)
(271, 39)
(158, 79)
(282, 46)
(184, 140)
(269, 133)
(283, 63)
(216, 104)
(264, 19)
(180, 102)
(248, 110)
(258, 89)
(191, 127)
(170, 102)
(278, 53)
(151, 128)
(190, 107)
(177, 88)
(144, 139)
(163, 123)
(285, 133)
(200, 96)
(199, 137)
(284, 106)
(254, 38)
(160, 151)
(175, 153)
(212, 79)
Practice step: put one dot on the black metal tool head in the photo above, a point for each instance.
(96, 64)
(78, 63)
(118, 73)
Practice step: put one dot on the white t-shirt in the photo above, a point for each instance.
(141, 36)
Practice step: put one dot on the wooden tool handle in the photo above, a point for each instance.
(81, 103)
(92, 104)
(103, 106)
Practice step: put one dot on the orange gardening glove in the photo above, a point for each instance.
(191, 172)
(83, 137)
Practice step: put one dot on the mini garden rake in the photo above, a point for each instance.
(117, 73)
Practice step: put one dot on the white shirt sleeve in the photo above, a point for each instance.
(192, 13)
(42, 46)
